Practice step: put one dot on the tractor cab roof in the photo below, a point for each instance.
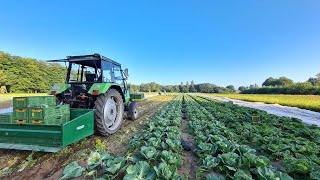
(92, 60)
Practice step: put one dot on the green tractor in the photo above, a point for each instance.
(99, 83)
(98, 94)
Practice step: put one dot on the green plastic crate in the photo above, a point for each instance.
(55, 119)
(20, 113)
(137, 95)
(20, 121)
(132, 96)
(33, 101)
(41, 113)
(6, 118)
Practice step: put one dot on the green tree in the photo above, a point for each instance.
(282, 81)
(28, 75)
(231, 88)
(269, 82)
(314, 81)
(176, 88)
(242, 88)
(168, 88)
(3, 78)
(145, 88)
(181, 87)
(192, 87)
(185, 88)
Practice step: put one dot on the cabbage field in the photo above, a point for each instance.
(193, 137)
(227, 145)
(310, 102)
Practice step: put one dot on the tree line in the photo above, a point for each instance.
(182, 88)
(18, 74)
(21, 75)
(284, 85)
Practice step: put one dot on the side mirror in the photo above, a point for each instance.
(126, 73)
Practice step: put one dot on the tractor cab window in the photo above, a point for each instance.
(80, 73)
(117, 74)
(107, 71)
(89, 74)
(75, 74)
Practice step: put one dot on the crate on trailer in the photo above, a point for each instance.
(47, 101)
(51, 120)
(6, 118)
(33, 101)
(37, 113)
(137, 95)
(132, 96)
(20, 113)
(140, 96)
(21, 121)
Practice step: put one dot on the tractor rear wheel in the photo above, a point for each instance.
(108, 113)
(133, 112)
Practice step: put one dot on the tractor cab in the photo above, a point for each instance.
(85, 71)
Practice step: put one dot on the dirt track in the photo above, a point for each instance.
(50, 165)
(307, 116)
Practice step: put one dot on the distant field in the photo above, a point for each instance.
(311, 102)
(6, 99)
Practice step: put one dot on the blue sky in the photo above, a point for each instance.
(221, 42)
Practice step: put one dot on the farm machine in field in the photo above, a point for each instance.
(99, 83)
(97, 93)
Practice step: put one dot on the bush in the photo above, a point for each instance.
(305, 88)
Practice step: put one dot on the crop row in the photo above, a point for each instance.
(159, 146)
(292, 145)
(153, 154)
(220, 155)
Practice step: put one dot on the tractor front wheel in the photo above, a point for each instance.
(108, 113)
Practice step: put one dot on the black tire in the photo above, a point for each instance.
(108, 113)
(133, 112)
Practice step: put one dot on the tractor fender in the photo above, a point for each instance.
(101, 88)
(58, 88)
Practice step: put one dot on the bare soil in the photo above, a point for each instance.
(51, 165)
(189, 160)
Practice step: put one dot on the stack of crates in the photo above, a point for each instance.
(137, 95)
(49, 115)
(6, 118)
(39, 110)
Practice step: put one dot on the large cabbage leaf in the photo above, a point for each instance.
(72, 170)
(148, 152)
(140, 171)
(165, 171)
(171, 158)
(210, 162)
